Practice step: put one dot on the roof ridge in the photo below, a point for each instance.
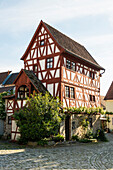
(64, 34)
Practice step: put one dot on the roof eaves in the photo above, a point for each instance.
(98, 66)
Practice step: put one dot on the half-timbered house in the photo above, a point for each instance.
(64, 67)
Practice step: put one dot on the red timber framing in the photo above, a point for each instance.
(85, 78)
(56, 61)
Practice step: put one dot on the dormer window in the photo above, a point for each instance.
(23, 92)
(42, 42)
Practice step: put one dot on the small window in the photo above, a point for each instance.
(42, 42)
(9, 120)
(35, 68)
(50, 63)
(67, 91)
(92, 75)
(112, 121)
(92, 98)
(68, 64)
(72, 94)
(73, 66)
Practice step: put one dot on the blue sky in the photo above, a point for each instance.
(89, 22)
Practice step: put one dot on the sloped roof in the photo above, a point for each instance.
(10, 79)
(109, 95)
(67, 44)
(34, 80)
(6, 89)
(72, 46)
(3, 76)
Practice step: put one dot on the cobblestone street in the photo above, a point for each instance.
(76, 156)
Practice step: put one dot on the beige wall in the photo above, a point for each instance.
(109, 125)
(109, 105)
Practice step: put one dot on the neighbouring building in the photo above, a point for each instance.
(54, 62)
(6, 85)
(109, 106)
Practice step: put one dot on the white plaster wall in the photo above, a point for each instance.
(14, 125)
(50, 88)
(42, 64)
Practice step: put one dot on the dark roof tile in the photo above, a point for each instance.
(35, 81)
(6, 89)
(72, 46)
(109, 95)
(3, 76)
(11, 79)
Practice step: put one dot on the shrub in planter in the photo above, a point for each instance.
(58, 138)
(75, 137)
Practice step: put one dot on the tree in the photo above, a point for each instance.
(39, 118)
(2, 106)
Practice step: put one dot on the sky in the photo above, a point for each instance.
(89, 22)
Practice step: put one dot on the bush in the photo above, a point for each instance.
(85, 140)
(39, 119)
(42, 142)
(75, 137)
(100, 135)
(58, 138)
(89, 134)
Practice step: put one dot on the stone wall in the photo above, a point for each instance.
(79, 129)
(76, 127)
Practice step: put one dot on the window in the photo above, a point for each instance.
(72, 94)
(67, 91)
(68, 64)
(49, 62)
(112, 121)
(92, 98)
(42, 42)
(73, 66)
(9, 120)
(92, 75)
(23, 92)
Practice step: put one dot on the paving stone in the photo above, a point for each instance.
(76, 156)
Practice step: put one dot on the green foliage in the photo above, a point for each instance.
(58, 138)
(89, 134)
(42, 142)
(85, 123)
(79, 110)
(39, 119)
(75, 137)
(85, 140)
(2, 106)
(100, 135)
